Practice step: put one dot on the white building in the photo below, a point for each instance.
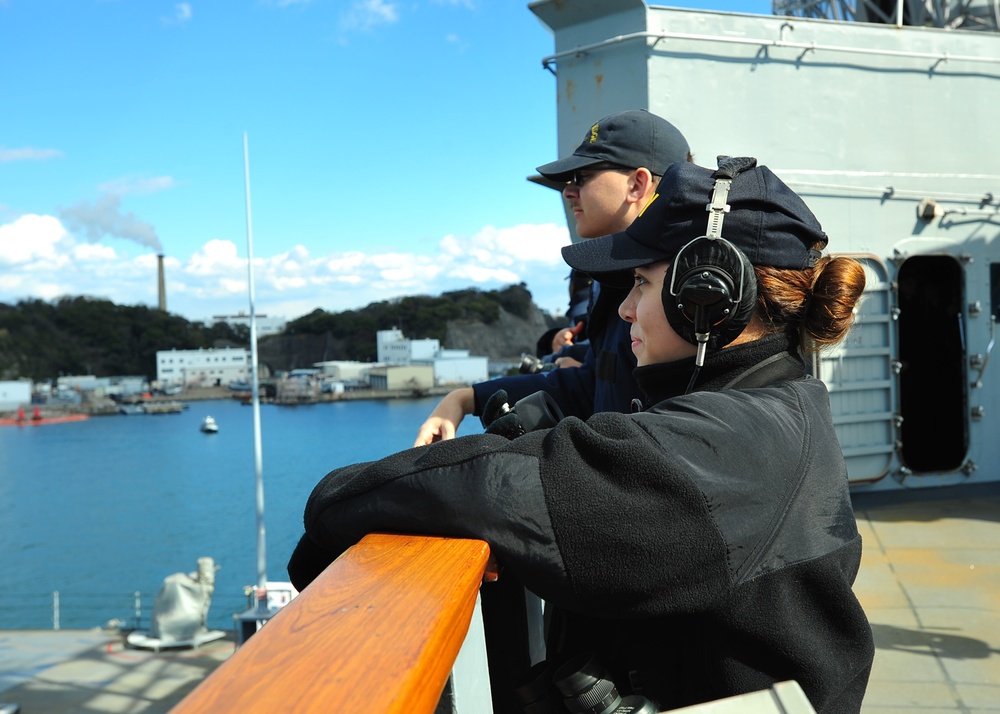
(120, 386)
(15, 394)
(345, 370)
(125, 386)
(203, 367)
(415, 377)
(450, 367)
(459, 367)
(394, 348)
(265, 325)
(77, 382)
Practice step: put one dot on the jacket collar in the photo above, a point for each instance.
(726, 368)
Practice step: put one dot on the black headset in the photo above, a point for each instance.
(710, 297)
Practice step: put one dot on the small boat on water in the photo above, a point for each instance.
(209, 426)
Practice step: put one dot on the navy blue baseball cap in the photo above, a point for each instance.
(631, 139)
(766, 220)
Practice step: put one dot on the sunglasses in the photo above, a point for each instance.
(582, 176)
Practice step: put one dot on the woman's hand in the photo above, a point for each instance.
(566, 337)
(492, 573)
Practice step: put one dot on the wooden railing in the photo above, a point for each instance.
(378, 631)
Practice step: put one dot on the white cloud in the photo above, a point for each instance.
(94, 252)
(482, 274)
(137, 185)
(28, 153)
(509, 246)
(364, 15)
(31, 239)
(39, 258)
(47, 291)
(345, 262)
(182, 14)
(216, 257)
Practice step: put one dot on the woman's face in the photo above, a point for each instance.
(653, 339)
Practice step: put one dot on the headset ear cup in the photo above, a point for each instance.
(710, 272)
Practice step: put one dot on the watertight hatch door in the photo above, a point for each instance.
(860, 379)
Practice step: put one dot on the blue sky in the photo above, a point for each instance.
(389, 143)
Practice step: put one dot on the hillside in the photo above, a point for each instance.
(499, 324)
(80, 335)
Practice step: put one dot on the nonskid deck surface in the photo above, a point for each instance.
(92, 671)
(929, 581)
(930, 584)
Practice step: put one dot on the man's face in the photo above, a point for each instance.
(599, 201)
(653, 339)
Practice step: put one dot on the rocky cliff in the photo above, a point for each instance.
(505, 339)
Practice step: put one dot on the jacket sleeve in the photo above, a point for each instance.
(572, 387)
(588, 516)
(471, 487)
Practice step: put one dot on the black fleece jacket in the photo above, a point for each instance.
(602, 383)
(703, 548)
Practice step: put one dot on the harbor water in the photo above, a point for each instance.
(100, 510)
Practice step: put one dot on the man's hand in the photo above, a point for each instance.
(447, 415)
(565, 337)
(561, 362)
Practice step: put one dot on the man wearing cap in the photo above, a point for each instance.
(609, 178)
(702, 548)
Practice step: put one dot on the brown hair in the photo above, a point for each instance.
(816, 303)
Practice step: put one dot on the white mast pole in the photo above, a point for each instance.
(255, 393)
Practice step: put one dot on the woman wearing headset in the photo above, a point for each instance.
(705, 545)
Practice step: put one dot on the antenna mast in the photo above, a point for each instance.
(255, 395)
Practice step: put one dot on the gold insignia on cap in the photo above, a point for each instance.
(593, 134)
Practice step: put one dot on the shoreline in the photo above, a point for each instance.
(207, 393)
(201, 394)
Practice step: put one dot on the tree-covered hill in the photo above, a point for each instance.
(421, 316)
(83, 335)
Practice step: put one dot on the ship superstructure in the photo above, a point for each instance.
(888, 131)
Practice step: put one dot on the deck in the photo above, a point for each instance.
(930, 582)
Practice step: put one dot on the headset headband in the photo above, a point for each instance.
(718, 208)
(713, 278)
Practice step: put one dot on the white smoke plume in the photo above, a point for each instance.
(105, 217)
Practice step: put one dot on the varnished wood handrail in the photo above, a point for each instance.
(378, 631)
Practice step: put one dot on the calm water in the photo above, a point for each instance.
(100, 509)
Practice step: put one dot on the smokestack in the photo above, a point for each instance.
(161, 283)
